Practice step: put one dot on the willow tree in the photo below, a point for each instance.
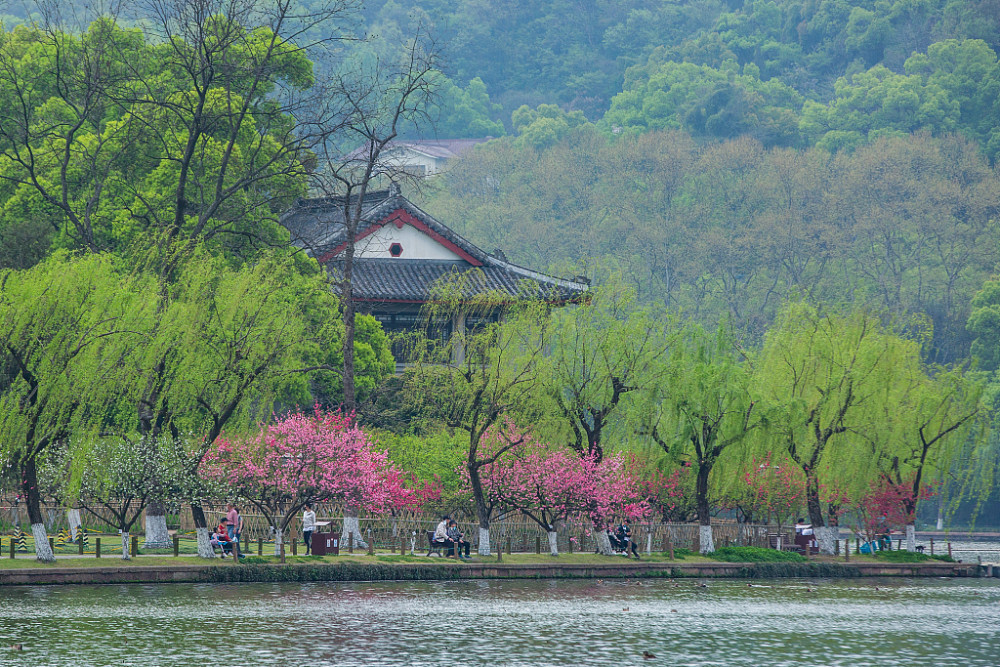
(480, 379)
(67, 329)
(701, 412)
(931, 420)
(231, 344)
(824, 377)
(602, 353)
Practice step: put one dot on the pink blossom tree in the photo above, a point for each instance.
(553, 486)
(771, 492)
(304, 458)
(889, 504)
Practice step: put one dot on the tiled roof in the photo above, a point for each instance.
(317, 226)
(402, 280)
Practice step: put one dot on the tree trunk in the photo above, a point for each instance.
(553, 543)
(157, 536)
(706, 541)
(125, 554)
(352, 526)
(826, 538)
(911, 537)
(602, 542)
(201, 530)
(940, 516)
(43, 551)
(484, 541)
(33, 501)
(279, 535)
(482, 510)
(73, 519)
(347, 298)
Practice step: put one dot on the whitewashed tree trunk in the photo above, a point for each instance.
(826, 538)
(204, 543)
(706, 540)
(352, 526)
(43, 551)
(278, 535)
(940, 517)
(157, 536)
(649, 543)
(602, 542)
(484, 541)
(125, 554)
(553, 543)
(911, 537)
(73, 519)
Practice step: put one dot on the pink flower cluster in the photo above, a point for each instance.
(311, 457)
(552, 485)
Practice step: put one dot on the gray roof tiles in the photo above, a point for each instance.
(316, 225)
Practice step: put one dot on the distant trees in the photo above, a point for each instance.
(731, 230)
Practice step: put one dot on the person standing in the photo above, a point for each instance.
(235, 522)
(308, 526)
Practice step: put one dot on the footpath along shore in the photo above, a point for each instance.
(449, 570)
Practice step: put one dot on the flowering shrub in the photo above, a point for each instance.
(305, 458)
(552, 485)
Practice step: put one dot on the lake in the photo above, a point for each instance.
(728, 622)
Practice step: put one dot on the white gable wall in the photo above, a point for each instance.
(416, 244)
(414, 161)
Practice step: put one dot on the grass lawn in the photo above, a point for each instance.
(67, 556)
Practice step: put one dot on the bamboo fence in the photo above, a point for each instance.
(511, 531)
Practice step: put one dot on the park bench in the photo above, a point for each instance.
(803, 542)
(434, 548)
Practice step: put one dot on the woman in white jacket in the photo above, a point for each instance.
(308, 526)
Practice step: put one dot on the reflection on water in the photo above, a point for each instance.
(777, 622)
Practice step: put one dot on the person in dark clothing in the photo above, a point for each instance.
(624, 538)
(457, 538)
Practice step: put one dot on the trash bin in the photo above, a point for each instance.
(325, 543)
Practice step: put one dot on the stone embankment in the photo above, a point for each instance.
(474, 570)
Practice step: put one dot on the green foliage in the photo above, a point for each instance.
(704, 101)
(903, 557)
(431, 457)
(466, 113)
(544, 126)
(727, 232)
(756, 555)
(984, 324)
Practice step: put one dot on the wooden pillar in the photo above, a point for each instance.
(847, 549)
(97, 547)
(458, 336)
(932, 546)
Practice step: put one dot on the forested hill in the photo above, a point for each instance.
(575, 53)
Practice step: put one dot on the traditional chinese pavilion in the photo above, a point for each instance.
(401, 251)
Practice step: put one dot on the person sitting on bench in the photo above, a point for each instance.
(455, 535)
(222, 538)
(441, 538)
(624, 538)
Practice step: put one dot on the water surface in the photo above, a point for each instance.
(776, 622)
